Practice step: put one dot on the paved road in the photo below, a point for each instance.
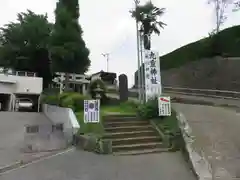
(12, 134)
(80, 165)
(216, 132)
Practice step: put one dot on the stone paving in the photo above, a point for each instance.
(216, 132)
(80, 165)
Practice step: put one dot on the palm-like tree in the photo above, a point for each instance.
(147, 15)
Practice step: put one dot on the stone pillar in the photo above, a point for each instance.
(123, 87)
(84, 92)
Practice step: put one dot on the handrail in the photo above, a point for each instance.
(199, 92)
(207, 90)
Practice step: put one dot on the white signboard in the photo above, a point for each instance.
(91, 111)
(153, 87)
(164, 106)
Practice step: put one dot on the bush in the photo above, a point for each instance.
(75, 101)
(149, 110)
(93, 85)
(51, 99)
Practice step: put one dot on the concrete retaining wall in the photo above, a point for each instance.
(214, 73)
(65, 116)
(45, 137)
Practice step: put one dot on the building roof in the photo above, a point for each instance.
(105, 74)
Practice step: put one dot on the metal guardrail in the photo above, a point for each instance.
(199, 92)
(204, 92)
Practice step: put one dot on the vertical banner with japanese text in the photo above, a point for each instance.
(153, 85)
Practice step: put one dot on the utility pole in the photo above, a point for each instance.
(107, 57)
(138, 57)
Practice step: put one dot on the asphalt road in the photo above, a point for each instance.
(80, 165)
(216, 132)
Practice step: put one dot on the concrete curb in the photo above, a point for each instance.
(31, 160)
(10, 167)
(201, 166)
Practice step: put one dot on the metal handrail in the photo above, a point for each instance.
(206, 90)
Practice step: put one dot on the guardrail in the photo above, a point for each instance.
(204, 92)
(197, 92)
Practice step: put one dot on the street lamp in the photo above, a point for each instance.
(107, 56)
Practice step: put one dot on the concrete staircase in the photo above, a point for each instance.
(131, 136)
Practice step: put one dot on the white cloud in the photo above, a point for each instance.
(108, 27)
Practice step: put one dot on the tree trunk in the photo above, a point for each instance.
(147, 42)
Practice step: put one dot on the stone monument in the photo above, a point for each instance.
(123, 87)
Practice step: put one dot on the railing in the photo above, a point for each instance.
(204, 92)
(19, 73)
(196, 92)
(24, 73)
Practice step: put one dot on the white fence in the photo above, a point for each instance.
(65, 116)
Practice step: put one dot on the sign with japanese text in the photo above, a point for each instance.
(91, 111)
(153, 85)
(164, 106)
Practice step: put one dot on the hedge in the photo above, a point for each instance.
(72, 100)
(225, 43)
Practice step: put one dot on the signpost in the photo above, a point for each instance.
(91, 111)
(164, 106)
(153, 87)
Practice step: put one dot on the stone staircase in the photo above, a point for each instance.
(131, 136)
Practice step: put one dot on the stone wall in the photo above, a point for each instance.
(216, 73)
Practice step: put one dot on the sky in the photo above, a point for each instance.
(109, 28)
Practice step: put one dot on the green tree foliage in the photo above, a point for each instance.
(24, 44)
(68, 50)
(147, 15)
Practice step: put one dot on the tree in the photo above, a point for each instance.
(236, 5)
(147, 15)
(220, 7)
(68, 50)
(24, 45)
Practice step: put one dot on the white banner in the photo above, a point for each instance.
(164, 106)
(153, 87)
(91, 111)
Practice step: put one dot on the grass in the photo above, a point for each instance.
(90, 128)
(170, 128)
(97, 128)
(168, 124)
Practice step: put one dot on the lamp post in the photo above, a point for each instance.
(138, 56)
(107, 57)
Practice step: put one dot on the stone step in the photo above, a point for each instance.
(141, 152)
(135, 133)
(133, 140)
(125, 123)
(137, 146)
(128, 128)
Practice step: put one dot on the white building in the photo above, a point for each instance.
(22, 87)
